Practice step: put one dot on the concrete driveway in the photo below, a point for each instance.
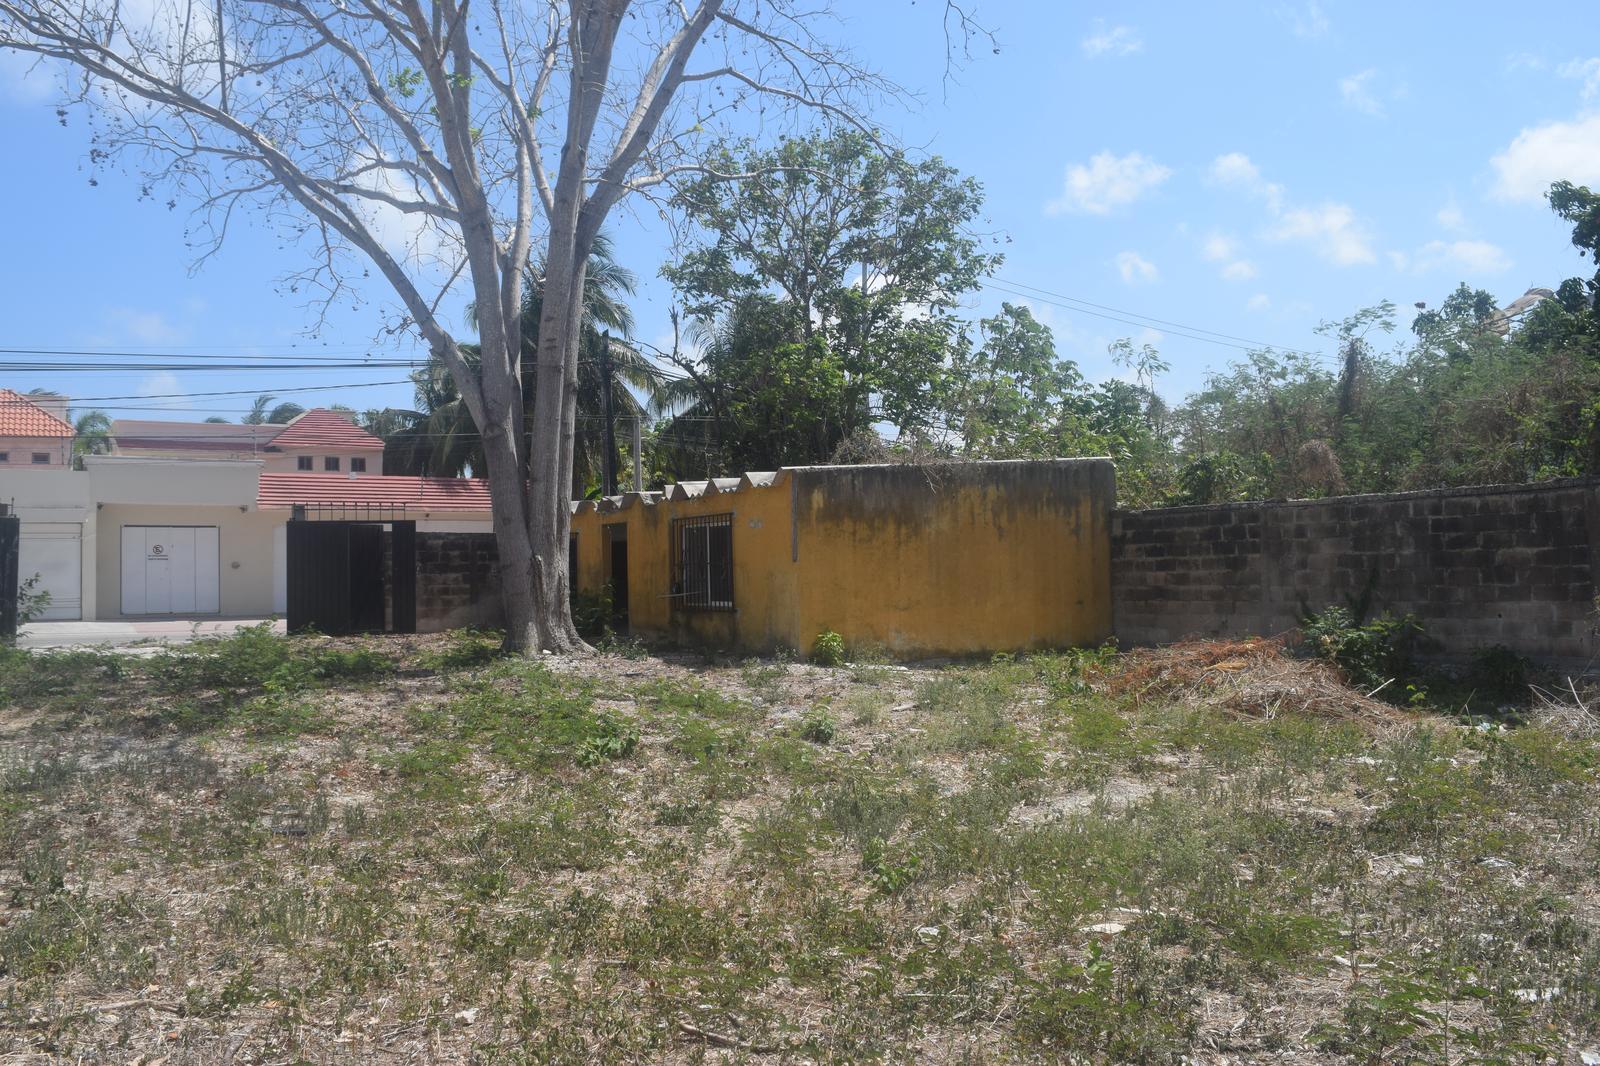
(131, 634)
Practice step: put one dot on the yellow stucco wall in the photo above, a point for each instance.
(950, 560)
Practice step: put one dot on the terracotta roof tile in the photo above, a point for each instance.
(21, 417)
(321, 428)
(416, 494)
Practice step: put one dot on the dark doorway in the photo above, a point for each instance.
(342, 581)
(617, 572)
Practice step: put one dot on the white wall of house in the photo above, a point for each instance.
(58, 535)
(243, 558)
(205, 482)
(288, 462)
(82, 530)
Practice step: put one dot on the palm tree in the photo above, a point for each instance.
(449, 438)
(263, 412)
(91, 436)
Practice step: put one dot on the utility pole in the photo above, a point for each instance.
(609, 466)
(638, 454)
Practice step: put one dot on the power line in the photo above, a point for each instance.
(1151, 319)
(101, 368)
(1174, 331)
(348, 356)
(236, 392)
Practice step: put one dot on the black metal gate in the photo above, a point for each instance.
(10, 545)
(338, 582)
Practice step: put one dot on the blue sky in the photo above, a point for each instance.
(1247, 169)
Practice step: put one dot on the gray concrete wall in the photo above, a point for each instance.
(457, 581)
(1508, 565)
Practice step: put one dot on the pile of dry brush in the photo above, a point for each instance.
(1256, 678)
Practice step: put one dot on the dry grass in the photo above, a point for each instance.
(404, 851)
(1254, 678)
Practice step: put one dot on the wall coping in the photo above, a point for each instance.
(1553, 485)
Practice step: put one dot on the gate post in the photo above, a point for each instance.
(403, 575)
(10, 545)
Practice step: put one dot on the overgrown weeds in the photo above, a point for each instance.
(385, 849)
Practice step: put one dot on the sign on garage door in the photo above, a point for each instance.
(170, 570)
(54, 551)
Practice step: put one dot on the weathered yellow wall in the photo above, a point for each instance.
(917, 561)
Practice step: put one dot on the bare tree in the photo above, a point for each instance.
(441, 143)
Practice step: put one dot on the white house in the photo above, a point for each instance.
(177, 529)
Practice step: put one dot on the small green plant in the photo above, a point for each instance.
(32, 601)
(1370, 654)
(610, 738)
(828, 649)
(888, 871)
(818, 726)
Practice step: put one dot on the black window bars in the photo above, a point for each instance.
(702, 563)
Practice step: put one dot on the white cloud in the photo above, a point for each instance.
(1221, 248)
(1107, 181)
(1543, 154)
(1450, 216)
(1259, 302)
(1306, 20)
(1235, 168)
(1135, 269)
(165, 384)
(1111, 40)
(1525, 61)
(1586, 71)
(1330, 228)
(1357, 92)
(126, 324)
(1461, 257)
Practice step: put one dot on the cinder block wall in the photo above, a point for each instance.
(457, 581)
(1511, 565)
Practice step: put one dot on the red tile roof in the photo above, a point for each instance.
(416, 494)
(320, 428)
(21, 417)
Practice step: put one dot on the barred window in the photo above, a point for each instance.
(702, 563)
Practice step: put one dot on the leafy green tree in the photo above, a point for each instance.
(859, 256)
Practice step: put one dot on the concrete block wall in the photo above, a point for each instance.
(1508, 565)
(457, 581)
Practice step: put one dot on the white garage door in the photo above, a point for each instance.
(54, 551)
(170, 570)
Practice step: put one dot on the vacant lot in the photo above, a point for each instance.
(408, 850)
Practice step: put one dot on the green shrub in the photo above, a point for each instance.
(592, 613)
(1500, 672)
(464, 649)
(827, 649)
(1369, 653)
